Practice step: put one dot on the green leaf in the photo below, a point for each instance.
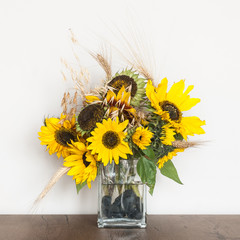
(147, 171)
(178, 136)
(80, 186)
(149, 152)
(151, 188)
(170, 171)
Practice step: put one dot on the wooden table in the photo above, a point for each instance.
(84, 227)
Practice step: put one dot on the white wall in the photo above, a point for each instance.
(195, 40)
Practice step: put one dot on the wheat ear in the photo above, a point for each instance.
(60, 172)
(184, 144)
(104, 61)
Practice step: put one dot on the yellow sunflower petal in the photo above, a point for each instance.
(122, 126)
(188, 104)
(110, 96)
(91, 98)
(191, 126)
(67, 124)
(151, 94)
(162, 89)
(176, 91)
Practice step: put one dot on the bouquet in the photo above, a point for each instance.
(128, 117)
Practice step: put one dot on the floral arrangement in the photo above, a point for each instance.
(127, 117)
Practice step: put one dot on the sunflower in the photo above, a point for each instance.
(171, 105)
(142, 137)
(108, 141)
(131, 81)
(82, 164)
(88, 117)
(167, 134)
(169, 156)
(57, 134)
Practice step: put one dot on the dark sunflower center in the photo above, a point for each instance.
(173, 111)
(110, 139)
(64, 136)
(123, 80)
(84, 158)
(89, 116)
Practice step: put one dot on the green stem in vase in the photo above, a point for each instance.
(132, 176)
(136, 190)
(118, 177)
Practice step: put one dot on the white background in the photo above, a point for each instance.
(194, 40)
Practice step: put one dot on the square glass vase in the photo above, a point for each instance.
(121, 196)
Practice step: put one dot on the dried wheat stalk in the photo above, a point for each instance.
(60, 172)
(138, 54)
(75, 98)
(71, 102)
(73, 38)
(64, 103)
(184, 144)
(80, 78)
(104, 61)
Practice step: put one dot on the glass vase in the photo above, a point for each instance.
(121, 196)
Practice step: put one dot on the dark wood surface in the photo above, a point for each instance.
(160, 227)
